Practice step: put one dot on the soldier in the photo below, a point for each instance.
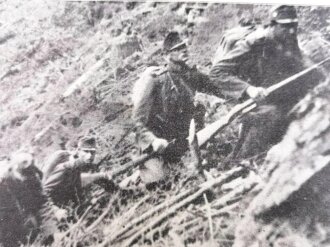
(163, 101)
(21, 199)
(244, 69)
(63, 179)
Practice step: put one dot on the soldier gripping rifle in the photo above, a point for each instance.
(270, 115)
(245, 68)
(63, 177)
(163, 101)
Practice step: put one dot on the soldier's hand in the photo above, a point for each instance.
(108, 175)
(257, 93)
(60, 213)
(159, 145)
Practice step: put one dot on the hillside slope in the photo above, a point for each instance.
(68, 68)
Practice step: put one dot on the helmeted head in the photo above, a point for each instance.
(175, 47)
(284, 22)
(86, 149)
(284, 14)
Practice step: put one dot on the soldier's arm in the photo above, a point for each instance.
(103, 179)
(203, 84)
(88, 178)
(143, 100)
(223, 73)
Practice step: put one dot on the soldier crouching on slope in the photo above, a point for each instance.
(63, 179)
(163, 101)
(21, 201)
(244, 69)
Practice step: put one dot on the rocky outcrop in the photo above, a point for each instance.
(291, 208)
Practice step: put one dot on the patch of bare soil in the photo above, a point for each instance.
(68, 68)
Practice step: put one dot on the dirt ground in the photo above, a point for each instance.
(67, 69)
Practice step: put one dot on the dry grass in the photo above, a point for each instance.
(50, 46)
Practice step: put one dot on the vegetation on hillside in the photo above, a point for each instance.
(67, 69)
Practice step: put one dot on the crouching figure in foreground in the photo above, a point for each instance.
(63, 177)
(21, 201)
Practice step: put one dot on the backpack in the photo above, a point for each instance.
(56, 158)
(230, 38)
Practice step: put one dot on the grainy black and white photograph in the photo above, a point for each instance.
(164, 124)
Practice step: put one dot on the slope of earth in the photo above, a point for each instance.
(67, 69)
(290, 209)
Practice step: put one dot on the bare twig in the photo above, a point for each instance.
(209, 216)
(249, 183)
(76, 225)
(158, 230)
(127, 216)
(192, 195)
(127, 132)
(86, 77)
(150, 213)
(99, 219)
(221, 206)
(172, 210)
(194, 225)
(225, 203)
(193, 146)
(224, 211)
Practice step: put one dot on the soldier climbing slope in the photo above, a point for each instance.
(163, 101)
(244, 68)
(63, 179)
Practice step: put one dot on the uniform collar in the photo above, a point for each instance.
(177, 67)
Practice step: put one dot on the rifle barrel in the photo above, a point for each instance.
(295, 76)
(211, 130)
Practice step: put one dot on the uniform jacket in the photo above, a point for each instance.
(163, 100)
(260, 61)
(63, 181)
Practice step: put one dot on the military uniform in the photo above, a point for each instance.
(66, 174)
(163, 100)
(260, 61)
(62, 182)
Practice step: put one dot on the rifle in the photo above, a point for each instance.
(139, 161)
(204, 135)
(134, 163)
(211, 130)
